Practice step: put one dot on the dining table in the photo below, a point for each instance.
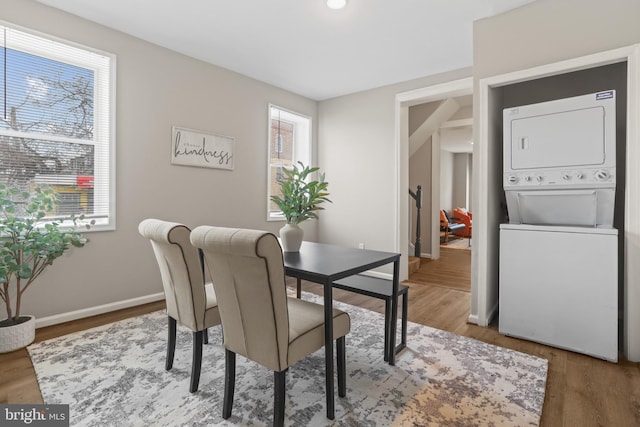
(323, 264)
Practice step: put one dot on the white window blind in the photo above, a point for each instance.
(56, 122)
(289, 143)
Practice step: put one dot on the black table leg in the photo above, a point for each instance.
(328, 347)
(394, 313)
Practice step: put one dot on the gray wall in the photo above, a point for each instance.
(420, 174)
(461, 180)
(454, 174)
(447, 178)
(157, 88)
(548, 31)
(453, 187)
(453, 180)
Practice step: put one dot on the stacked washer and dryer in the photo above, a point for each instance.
(559, 251)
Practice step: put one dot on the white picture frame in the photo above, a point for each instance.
(200, 149)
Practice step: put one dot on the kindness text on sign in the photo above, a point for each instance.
(195, 148)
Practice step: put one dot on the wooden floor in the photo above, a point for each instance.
(581, 391)
(452, 270)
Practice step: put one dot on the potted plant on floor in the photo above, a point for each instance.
(300, 200)
(29, 243)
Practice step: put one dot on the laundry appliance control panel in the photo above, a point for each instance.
(588, 177)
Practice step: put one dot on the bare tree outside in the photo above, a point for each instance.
(47, 126)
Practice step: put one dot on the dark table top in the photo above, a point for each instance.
(323, 262)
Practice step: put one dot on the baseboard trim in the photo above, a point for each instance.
(422, 255)
(100, 309)
(475, 319)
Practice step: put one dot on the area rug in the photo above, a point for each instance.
(114, 376)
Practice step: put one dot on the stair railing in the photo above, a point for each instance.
(417, 196)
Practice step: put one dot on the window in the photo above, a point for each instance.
(289, 143)
(56, 124)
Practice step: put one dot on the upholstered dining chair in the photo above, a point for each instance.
(190, 302)
(259, 321)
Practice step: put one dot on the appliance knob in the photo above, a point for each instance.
(539, 178)
(527, 178)
(579, 175)
(566, 176)
(512, 179)
(602, 174)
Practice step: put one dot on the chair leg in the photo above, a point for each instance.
(298, 288)
(171, 342)
(342, 368)
(206, 336)
(229, 382)
(405, 309)
(387, 328)
(279, 382)
(196, 361)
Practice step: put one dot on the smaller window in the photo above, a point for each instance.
(289, 143)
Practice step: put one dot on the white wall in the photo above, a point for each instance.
(157, 88)
(447, 174)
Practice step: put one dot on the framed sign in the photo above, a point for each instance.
(194, 148)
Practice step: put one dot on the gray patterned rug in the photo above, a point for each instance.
(114, 376)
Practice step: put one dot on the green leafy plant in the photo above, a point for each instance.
(29, 242)
(301, 199)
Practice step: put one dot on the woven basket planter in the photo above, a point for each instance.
(17, 336)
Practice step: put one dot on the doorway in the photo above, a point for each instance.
(430, 120)
(404, 101)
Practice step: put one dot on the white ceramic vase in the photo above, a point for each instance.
(291, 237)
(17, 336)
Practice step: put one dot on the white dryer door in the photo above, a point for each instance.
(567, 139)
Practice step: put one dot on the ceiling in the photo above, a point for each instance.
(301, 45)
(457, 140)
(456, 135)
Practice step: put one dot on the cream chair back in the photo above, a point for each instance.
(249, 281)
(180, 269)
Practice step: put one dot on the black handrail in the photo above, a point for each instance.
(417, 196)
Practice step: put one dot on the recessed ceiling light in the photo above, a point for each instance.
(336, 4)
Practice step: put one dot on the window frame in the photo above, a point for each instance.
(302, 151)
(104, 105)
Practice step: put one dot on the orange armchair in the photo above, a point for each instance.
(449, 225)
(463, 216)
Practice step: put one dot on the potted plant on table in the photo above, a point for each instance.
(29, 243)
(300, 200)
